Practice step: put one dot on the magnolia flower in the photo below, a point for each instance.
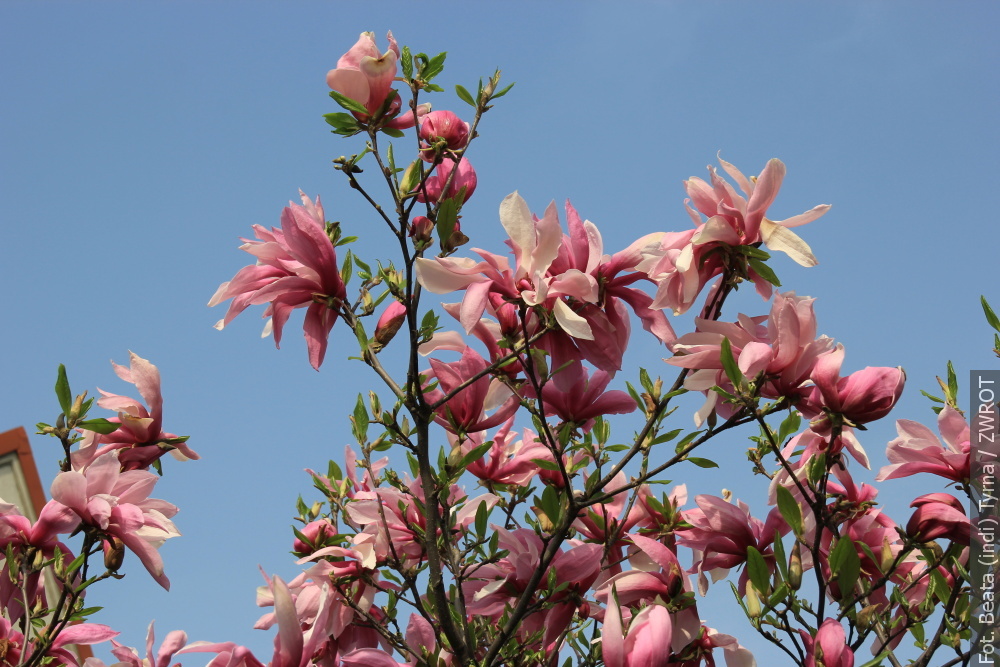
(688, 260)
(140, 438)
(861, 397)
(117, 503)
(917, 449)
(365, 75)
(828, 647)
(296, 268)
(939, 515)
(646, 643)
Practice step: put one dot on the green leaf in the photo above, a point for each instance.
(361, 419)
(447, 216)
(702, 463)
(932, 397)
(764, 271)
(751, 251)
(482, 515)
(406, 61)
(877, 660)
(846, 566)
(465, 96)
(393, 132)
(433, 67)
(503, 92)
(790, 510)
(952, 381)
(63, 392)
(991, 317)
(346, 268)
(474, 455)
(366, 271)
(733, 371)
(342, 121)
(100, 425)
(789, 425)
(760, 575)
(348, 103)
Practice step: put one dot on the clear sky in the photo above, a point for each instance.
(140, 140)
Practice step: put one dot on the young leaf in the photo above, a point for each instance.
(99, 425)
(764, 271)
(464, 95)
(760, 575)
(702, 463)
(733, 371)
(790, 510)
(348, 103)
(991, 317)
(63, 392)
(406, 61)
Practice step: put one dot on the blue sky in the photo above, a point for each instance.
(141, 140)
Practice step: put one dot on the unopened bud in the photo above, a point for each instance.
(886, 557)
(390, 322)
(543, 520)
(753, 602)
(77, 408)
(422, 230)
(410, 178)
(795, 567)
(114, 554)
(867, 616)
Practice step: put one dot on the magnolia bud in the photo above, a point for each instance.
(114, 553)
(421, 230)
(77, 408)
(390, 322)
(795, 567)
(753, 602)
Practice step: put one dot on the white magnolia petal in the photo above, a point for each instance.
(784, 240)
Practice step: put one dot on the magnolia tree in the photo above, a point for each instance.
(525, 532)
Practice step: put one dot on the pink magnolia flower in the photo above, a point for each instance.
(465, 411)
(565, 278)
(117, 503)
(140, 438)
(16, 648)
(508, 461)
(917, 449)
(659, 576)
(296, 268)
(691, 260)
(861, 397)
(721, 534)
(496, 585)
(646, 643)
(939, 515)
(785, 352)
(365, 75)
(130, 657)
(18, 533)
(434, 185)
(828, 647)
(575, 396)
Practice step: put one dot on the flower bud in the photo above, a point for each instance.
(754, 609)
(795, 567)
(465, 177)
(77, 408)
(421, 230)
(114, 554)
(442, 129)
(390, 322)
(316, 534)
